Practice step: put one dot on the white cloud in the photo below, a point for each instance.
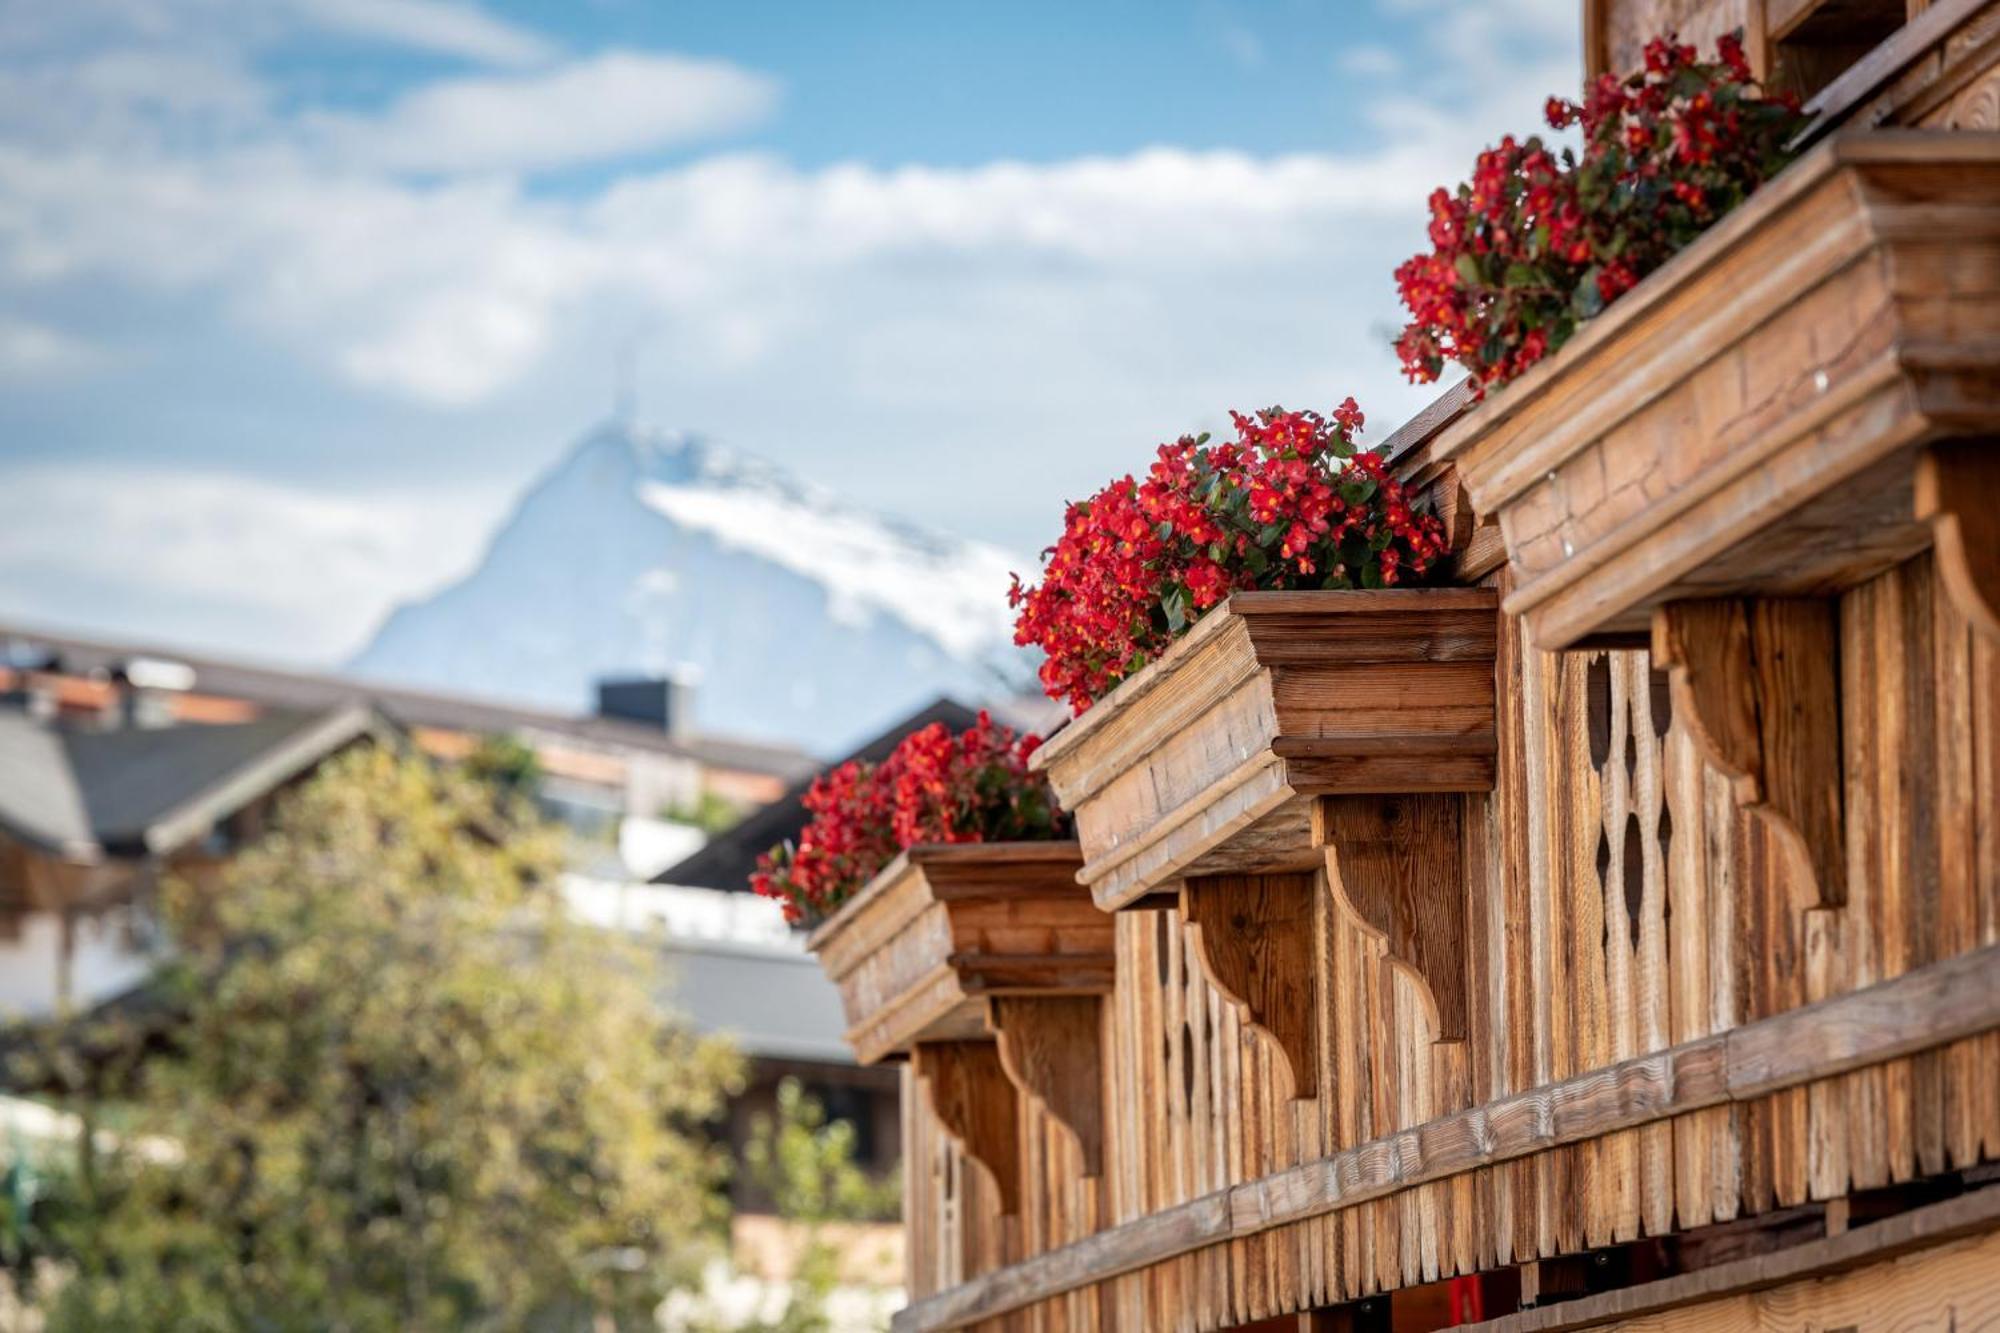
(1039, 325)
(314, 567)
(433, 25)
(615, 105)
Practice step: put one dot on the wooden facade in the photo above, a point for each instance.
(1660, 987)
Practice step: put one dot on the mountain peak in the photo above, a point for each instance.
(808, 619)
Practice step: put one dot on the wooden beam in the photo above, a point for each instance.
(1253, 938)
(1400, 862)
(1758, 682)
(1051, 1047)
(976, 1104)
(1929, 1007)
(1958, 494)
(1914, 41)
(1937, 1224)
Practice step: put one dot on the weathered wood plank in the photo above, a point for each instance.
(1205, 762)
(1958, 494)
(1051, 1047)
(1400, 861)
(1756, 682)
(1774, 383)
(1935, 1005)
(971, 1097)
(1928, 1228)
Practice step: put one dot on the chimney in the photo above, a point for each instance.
(661, 702)
(145, 688)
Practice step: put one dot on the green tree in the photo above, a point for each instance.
(408, 1094)
(507, 763)
(806, 1163)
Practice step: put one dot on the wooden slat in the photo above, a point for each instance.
(1867, 76)
(1757, 683)
(1920, 1229)
(1400, 861)
(1919, 1010)
(1958, 494)
(1052, 1048)
(971, 1097)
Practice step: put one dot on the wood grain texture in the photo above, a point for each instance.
(1958, 494)
(1206, 761)
(1757, 684)
(1919, 1010)
(968, 1092)
(1252, 936)
(1772, 387)
(1399, 860)
(1951, 1281)
(1605, 757)
(1052, 1049)
(918, 952)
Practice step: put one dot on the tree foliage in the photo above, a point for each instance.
(408, 1095)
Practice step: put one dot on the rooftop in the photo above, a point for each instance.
(299, 690)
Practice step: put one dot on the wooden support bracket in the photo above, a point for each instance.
(1958, 494)
(1758, 683)
(1400, 863)
(1051, 1046)
(1253, 937)
(976, 1104)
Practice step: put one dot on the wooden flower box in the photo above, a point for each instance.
(918, 952)
(1798, 401)
(1209, 761)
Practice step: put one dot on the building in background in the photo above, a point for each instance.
(121, 764)
(99, 803)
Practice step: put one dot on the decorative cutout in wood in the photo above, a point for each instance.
(1758, 683)
(1399, 861)
(973, 1100)
(1052, 1048)
(1253, 936)
(1958, 494)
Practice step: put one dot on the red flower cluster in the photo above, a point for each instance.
(1536, 243)
(1289, 503)
(934, 787)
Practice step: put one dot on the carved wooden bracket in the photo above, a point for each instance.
(1052, 1047)
(1958, 494)
(976, 1104)
(1253, 938)
(1758, 683)
(1400, 862)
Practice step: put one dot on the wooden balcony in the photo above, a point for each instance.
(919, 952)
(1806, 397)
(1209, 761)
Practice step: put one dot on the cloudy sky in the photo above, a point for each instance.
(295, 295)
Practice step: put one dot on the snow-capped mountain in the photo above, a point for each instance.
(797, 618)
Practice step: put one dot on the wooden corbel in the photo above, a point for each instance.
(973, 1100)
(1253, 938)
(1051, 1046)
(1757, 682)
(1958, 494)
(1399, 861)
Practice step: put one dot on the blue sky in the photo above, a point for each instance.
(295, 295)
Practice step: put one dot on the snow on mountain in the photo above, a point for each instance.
(797, 617)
